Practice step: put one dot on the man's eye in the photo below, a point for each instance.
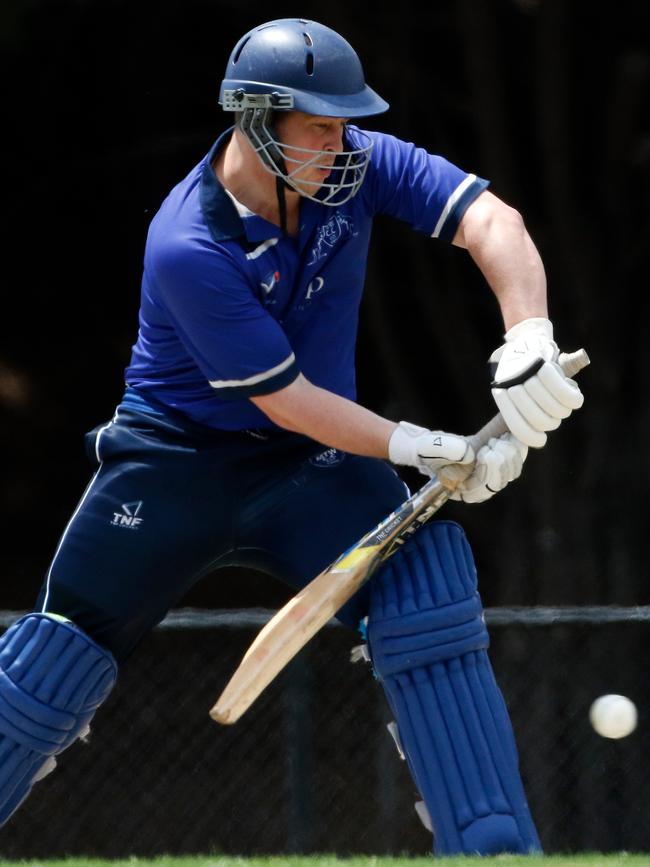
(326, 126)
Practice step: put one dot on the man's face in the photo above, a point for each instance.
(310, 132)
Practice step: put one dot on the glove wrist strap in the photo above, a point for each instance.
(536, 324)
(402, 444)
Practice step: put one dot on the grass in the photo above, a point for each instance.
(622, 859)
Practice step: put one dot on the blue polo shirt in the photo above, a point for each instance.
(231, 308)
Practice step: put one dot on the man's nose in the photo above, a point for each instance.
(335, 142)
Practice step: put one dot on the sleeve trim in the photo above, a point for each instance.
(277, 377)
(257, 377)
(457, 204)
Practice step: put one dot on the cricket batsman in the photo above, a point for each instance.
(238, 440)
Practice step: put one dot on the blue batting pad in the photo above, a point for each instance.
(428, 644)
(53, 677)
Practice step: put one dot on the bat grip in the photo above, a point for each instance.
(570, 362)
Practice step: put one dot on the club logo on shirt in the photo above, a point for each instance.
(128, 517)
(268, 285)
(338, 226)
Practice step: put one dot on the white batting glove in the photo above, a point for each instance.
(529, 386)
(497, 463)
(451, 457)
(430, 450)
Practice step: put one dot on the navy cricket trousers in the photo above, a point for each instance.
(172, 501)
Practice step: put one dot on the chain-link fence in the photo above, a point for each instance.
(311, 767)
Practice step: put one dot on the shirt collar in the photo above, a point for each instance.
(227, 218)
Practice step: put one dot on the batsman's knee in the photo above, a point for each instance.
(428, 645)
(53, 677)
(424, 607)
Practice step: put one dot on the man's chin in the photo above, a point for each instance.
(311, 187)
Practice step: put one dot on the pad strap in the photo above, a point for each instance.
(429, 636)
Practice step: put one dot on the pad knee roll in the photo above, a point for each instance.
(53, 677)
(428, 644)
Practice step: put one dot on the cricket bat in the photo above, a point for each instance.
(303, 616)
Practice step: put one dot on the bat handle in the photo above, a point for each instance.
(570, 362)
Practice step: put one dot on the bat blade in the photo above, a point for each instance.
(303, 616)
(287, 633)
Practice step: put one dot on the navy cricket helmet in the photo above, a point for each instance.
(310, 67)
(297, 65)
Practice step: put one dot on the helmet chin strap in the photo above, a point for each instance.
(282, 203)
(260, 121)
(280, 183)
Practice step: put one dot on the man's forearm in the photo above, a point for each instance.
(328, 418)
(497, 240)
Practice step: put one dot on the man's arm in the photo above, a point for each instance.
(494, 235)
(337, 422)
(327, 418)
(529, 387)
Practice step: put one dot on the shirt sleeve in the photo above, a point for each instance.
(422, 189)
(238, 346)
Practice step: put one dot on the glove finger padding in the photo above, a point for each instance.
(530, 410)
(564, 389)
(517, 424)
(497, 463)
(544, 399)
(539, 404)
(530, 388)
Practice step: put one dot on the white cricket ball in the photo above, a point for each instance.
(613, 716)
